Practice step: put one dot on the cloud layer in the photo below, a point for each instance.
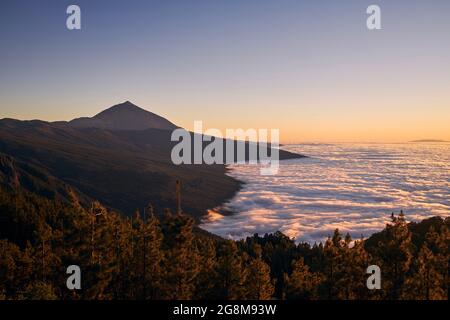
(353, 187)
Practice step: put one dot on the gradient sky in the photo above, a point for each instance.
(310, 68)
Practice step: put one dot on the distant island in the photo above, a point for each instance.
(429, 140)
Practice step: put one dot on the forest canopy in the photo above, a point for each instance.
(154, 255)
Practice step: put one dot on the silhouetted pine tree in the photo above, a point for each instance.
(301, 284)
(207, 276)
(76, 246)
(258, 284)
(100, 270)
(425, 282)
(231, 272)
(43, 252)
(331, 265)
(439, 244)
(181, 262)
(395, 253)
(147, 255)
(350, 271)
(124, 278)
(38, 290)
(17, 269)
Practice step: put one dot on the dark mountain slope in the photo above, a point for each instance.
(123, 169)
(109, 166)
(20, 175)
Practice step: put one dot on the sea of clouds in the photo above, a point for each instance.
(353, 187)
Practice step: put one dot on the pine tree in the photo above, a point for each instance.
(125, 275)
(231, 272)
(181, 262)
(395, 254)
(16, 268)
(39, 290)
(100, 270)
(331, 265)
(425, 281)
(207, 276)
(302, 284)
(439, 243)
(258, 284)
(76, 246)
(148, 255)
(43, 251)
(350, 270)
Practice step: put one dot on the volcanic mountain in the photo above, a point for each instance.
(124, 116)
(120, 157)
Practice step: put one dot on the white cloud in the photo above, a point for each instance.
(350, 187)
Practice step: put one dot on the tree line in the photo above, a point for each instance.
(164, 256)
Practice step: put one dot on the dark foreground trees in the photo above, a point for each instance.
(163, 256)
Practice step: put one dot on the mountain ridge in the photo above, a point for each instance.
(120, 168)
(123, 116)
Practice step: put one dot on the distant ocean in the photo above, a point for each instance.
(353, 187)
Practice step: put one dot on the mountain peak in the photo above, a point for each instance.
(124, 107)
(124, 116)
(126, 104)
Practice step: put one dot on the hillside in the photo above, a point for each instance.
(40, 238)
(123, 169)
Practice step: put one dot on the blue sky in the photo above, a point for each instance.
(310, 68)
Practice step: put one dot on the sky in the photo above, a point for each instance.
(309, 68)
